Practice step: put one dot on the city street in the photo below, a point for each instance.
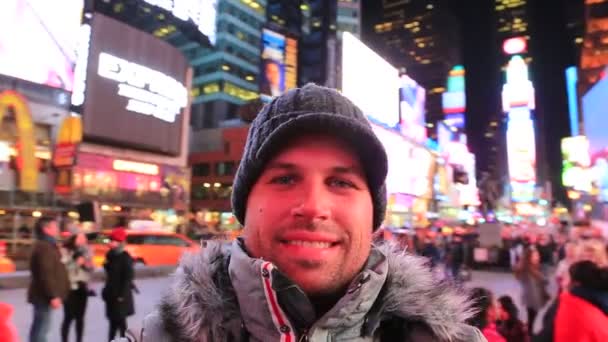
(152, 288)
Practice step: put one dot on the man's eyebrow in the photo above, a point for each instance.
(281, 166)
(348, 169)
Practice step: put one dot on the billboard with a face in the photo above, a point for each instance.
(134, 89)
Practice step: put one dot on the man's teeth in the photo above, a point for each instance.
(310, 244)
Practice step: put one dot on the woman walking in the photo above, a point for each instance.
(79, 266)
(529, 274)
(117, 292)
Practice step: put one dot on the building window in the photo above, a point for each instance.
(224, 168)
(201, 170)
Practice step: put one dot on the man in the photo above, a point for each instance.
(49, 283)
(310, 193)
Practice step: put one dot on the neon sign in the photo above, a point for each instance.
(150, 92)
(135, 167)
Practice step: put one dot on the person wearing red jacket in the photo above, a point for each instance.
(8, 332)
(582, 314)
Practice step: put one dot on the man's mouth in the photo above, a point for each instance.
(309, 244)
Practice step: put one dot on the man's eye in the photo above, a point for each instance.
(340, 183)
(286, 179)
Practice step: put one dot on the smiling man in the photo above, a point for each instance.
(310, 193)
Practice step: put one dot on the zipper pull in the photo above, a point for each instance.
(304, 336)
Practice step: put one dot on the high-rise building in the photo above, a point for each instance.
(349, 17)
(594, 52)
(226, 76)
(421, 38)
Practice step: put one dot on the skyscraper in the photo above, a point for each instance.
(226, 76)
(423, 39)
(594, 52)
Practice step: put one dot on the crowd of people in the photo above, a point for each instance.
(577, 310)
(60, 275)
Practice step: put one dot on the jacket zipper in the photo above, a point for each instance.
(304, 337)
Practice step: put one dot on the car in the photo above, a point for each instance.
(150, 248)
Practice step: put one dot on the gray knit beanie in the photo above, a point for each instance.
(311, 109)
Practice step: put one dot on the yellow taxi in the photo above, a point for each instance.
(151, 248)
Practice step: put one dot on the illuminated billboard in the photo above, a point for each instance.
(453, 100)
(412, 99)
(279, 71)
(131, 91)
(402, 154)
(515, 45)
(38, 40)
(370, 82)
(521, 153)
(595, 113)
(576, 163)
(273, 67)
(517, 90)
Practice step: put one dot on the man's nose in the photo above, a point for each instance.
(313, 203)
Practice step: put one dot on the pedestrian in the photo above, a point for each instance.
(533, 283)
(80, 267)
(562, 274)
(309, 192)
(431, 251)
(594, 250)
(486, 314)
(117, 292)
(49, 284)
(509, 324)
(455, 257)
(582, 314)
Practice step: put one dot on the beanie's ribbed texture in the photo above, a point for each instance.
(311, 109)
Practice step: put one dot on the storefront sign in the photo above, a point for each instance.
(135, 167)
(63, 181)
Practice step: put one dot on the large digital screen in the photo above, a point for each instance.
(595, 113)
(412, 99)
(402, 155)
(576, 162)
(38, 40)
(521, 153)
(273, 66)
(135, 88)
(370, 82)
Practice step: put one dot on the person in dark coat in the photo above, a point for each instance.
(49, 285)
(117, 292)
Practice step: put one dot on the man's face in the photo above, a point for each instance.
(51, 229)
(311, 214)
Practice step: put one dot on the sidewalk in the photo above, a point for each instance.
(21, 279)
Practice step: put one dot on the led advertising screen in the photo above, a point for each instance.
(412, 98)
(521, 153)
(370, 82)
(38, 40)
(135, 88)
(576, 163)
(595, 113)
(402, 155)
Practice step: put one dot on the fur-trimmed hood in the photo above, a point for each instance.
(203, 305)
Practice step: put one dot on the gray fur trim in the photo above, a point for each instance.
(414, 293)
(202, 306)
(201, 300)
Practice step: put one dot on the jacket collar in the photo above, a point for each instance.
(260, 284)
(220, 288)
